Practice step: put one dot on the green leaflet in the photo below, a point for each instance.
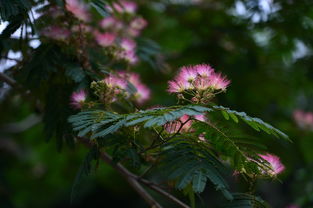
(101, 123)
(84, 171)
(158, 117)
(255, 123)
(242, 200)
(190, 163)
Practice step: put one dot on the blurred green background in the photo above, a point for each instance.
(264, 48)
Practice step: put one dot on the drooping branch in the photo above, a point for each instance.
(134, 180)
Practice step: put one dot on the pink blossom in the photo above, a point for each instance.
(303, 119)
(187, 74)
(218, 82)
(202, 83)
(128, 44)
(204, 70)
(56, 32)
(143, 93)
(201, 79)
(129, 6)
(276, 166)
(200, 117)
(108, 22)
(115, 81)
(124, 6)
(201, 138)
(129, 56)
(178, 86)
(119, 81)
(79, 9)
(105, 39)
(138, 23)
(78, 98)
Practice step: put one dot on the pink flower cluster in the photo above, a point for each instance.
(78, 99)
(78, 9)
(123, 7)
(276, 167)
(199, 80)
(116, 31)
(303, 119)
(121, 34)
(119, 83)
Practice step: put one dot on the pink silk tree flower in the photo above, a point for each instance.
(200, 117)
(129, 6)
(201, 78)
(56, 32)
(204, 70)
(78, 8)
(105, 39)
(178, 86)
(119, 83)
(187, 74)
(128, 44)
(303, 119)
(78, 98)
(124, 6)
(218, 82)
(276, 166)
(143, 93)
(129, 56)
(114, 81)
(138, 23)
(108, 22)
(202, 83)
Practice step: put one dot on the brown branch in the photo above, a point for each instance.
(131, 178)
(9, 80)
(156, 188)
(134, 179)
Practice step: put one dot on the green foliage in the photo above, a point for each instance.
(84, 171)
(190, 162)
(246, 201)
(255, 123)
(97, 121)
(11, 8)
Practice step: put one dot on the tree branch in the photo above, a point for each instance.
(131, 179)
(134, 179)
(8, 80)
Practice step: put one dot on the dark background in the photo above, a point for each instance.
(264, 48)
